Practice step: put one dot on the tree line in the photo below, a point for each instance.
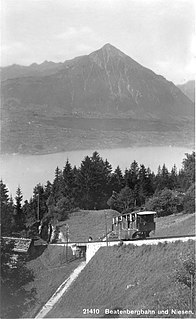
(93, 185)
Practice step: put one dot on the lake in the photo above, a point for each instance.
(29, 170)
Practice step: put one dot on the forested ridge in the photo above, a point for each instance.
(94, 185)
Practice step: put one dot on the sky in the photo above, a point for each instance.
(159, 34)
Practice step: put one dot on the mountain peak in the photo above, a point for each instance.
(112, 50)
(110, 53)
(109, 46)
(105, 53)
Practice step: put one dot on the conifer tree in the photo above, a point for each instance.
(18, 213)
(47, 190)
(107, 174)
(173, 178)
(117, 181)
(69, 180)
(58, 185)
(40, 202)
(93, 178)
(133, 175)
(11, 209)
(85, 183)
(162, 178)
(126, 177)
(165, 182)
(158, 178)
(75, 185)
(6, 209)
(4, 197)
(131, 180)
(144, 185)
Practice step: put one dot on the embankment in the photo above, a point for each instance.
(130, 277)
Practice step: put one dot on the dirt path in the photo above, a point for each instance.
(60, 291)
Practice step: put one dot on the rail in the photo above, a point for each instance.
(120, 240)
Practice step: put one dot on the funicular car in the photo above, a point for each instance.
(136, 225)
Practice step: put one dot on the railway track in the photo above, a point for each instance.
(169, 238)
(93, 246)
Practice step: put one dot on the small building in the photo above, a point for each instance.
(21, 245)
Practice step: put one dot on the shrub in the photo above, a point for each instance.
(165, 202)
(124, 201)
(184, 272)
(189, 200)
(15, 298)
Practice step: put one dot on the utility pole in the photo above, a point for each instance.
(67, 238)
(192, 293)
(38, 207)
(106, 230)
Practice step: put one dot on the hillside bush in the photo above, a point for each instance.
(122, 202)
(189, 200)
(15, 299)
(184, 273)
(165, 202)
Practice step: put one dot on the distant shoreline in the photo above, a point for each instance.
(188, 147)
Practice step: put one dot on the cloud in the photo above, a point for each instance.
(82, 47)
(190, 67)
(19, 48)
(77, 41)
(71, 32)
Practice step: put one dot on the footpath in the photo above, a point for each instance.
(60, 291)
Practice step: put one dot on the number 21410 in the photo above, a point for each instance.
(90, 311)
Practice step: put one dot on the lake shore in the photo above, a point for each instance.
(29, 170)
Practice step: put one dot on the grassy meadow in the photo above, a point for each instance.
(83, 224)
(129, 277)
(175, 225)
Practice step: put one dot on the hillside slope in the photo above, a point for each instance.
(92, 223)
(83, 224)
(175, 225)
(50, 269)
(188, 89)
(129, 277)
